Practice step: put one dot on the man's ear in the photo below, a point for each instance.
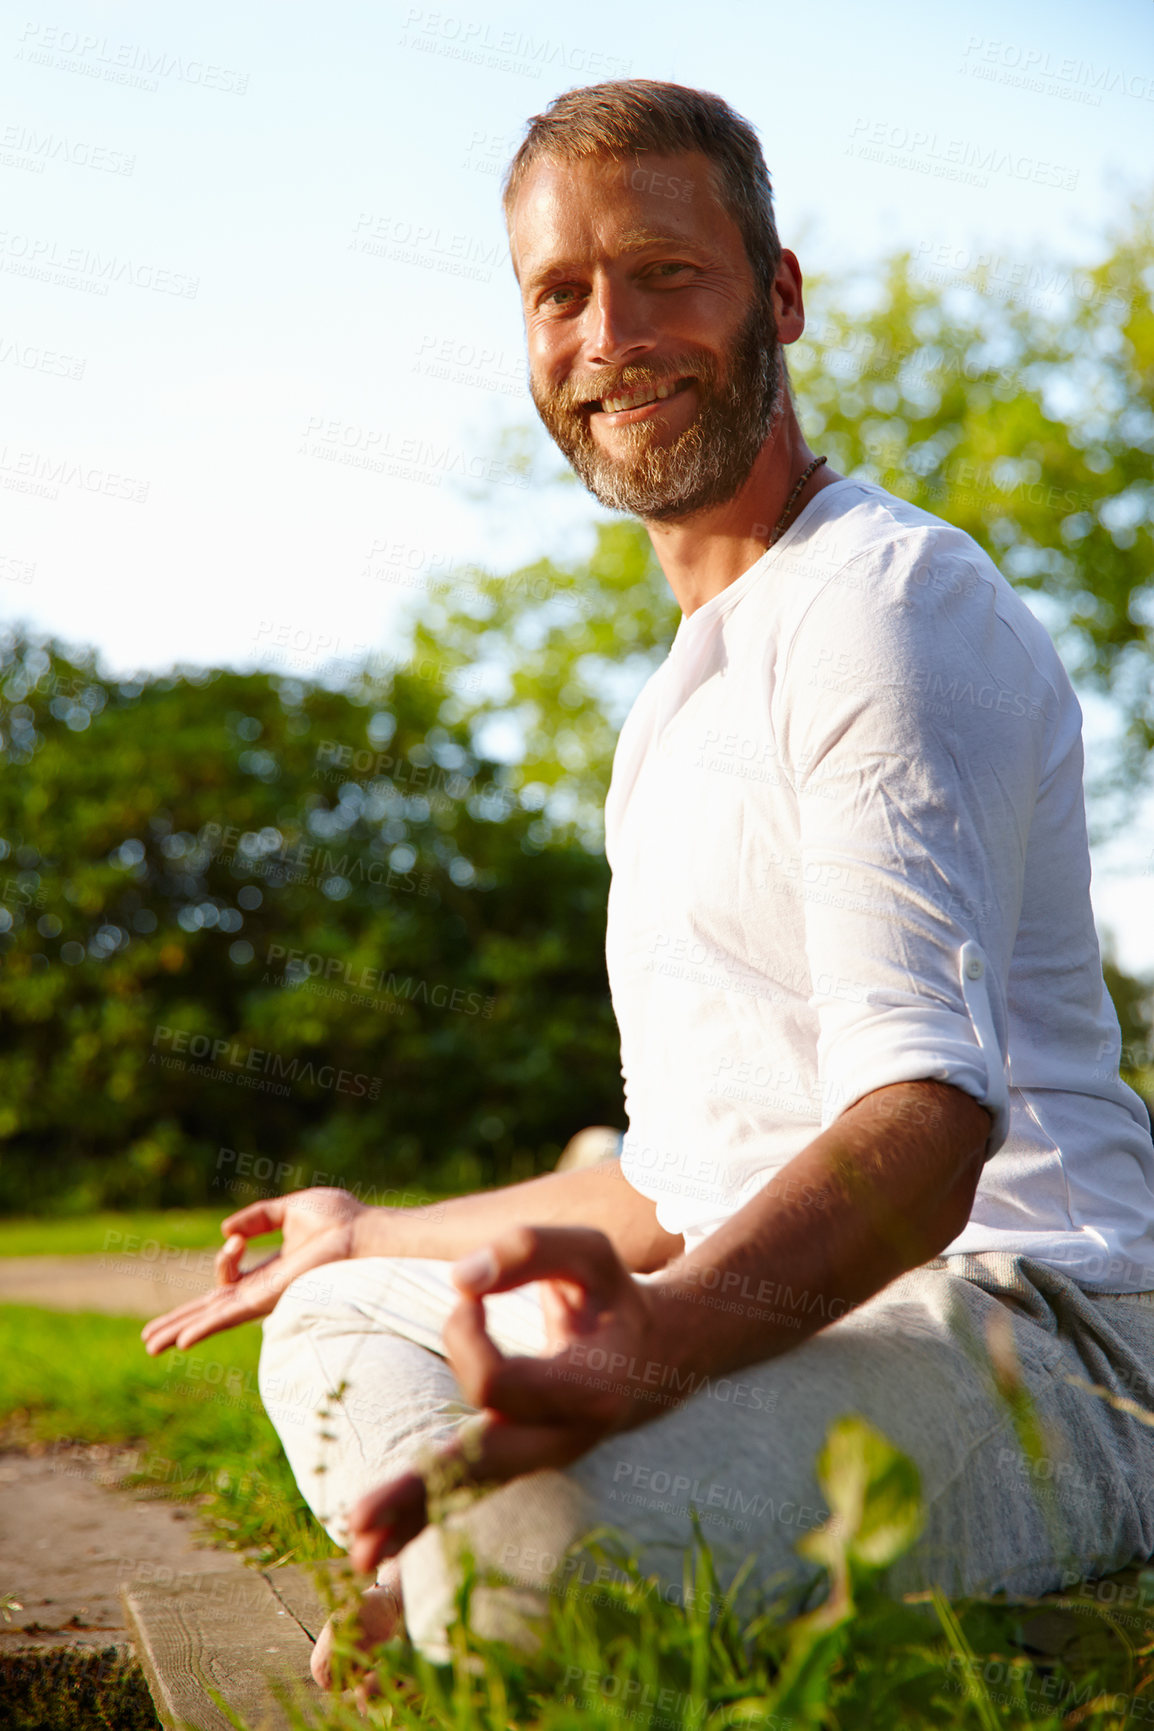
(788, 300)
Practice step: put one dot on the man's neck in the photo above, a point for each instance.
(705, 553)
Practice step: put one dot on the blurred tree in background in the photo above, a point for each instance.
(360, 932)
(307, 926)
(1023, 411)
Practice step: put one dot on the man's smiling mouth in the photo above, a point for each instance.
(638, 397)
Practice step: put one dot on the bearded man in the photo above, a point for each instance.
(875, 1119)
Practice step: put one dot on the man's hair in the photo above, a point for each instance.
(635, 114)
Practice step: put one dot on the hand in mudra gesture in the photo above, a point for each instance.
(316, 1227)
(543, 1411)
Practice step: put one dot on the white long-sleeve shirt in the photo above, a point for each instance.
(848, 844)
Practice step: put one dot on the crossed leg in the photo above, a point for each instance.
(359, 1341)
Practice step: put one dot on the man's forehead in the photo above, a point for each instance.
(644, 200)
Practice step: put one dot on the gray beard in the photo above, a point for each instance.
(706, 464)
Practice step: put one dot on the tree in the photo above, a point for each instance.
(1025, 418)
(248, 918)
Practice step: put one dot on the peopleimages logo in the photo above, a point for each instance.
(216, 1057)
(40, 255)
(131, 63)
(39, 471)
(301, 966)
(24, 147)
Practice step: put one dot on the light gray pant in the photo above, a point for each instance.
(352, 1377)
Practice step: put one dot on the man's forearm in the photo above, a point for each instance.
(883, 1190)
(597, 1196)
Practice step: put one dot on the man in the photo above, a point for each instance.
(869, 1059)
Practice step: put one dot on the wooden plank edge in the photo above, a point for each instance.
(165, 1709)
(262, 1687)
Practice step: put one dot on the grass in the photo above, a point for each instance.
(175, 1228)
(192, 1421)
(87, 1234)
(66, 1690)
(639, 1662)
(618, 1658)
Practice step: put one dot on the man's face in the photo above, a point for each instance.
(654, 359)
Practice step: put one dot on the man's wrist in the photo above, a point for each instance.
(384, 1231)
(670, 1348)
(362, 1233)
(705, 1334)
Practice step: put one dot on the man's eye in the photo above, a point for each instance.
(669, 268)
(556, 297)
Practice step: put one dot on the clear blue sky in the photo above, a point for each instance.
(294, 221)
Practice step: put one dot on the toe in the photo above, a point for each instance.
(321, 1662)
(378, 1618)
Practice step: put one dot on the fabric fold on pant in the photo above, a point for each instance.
(922, 1361)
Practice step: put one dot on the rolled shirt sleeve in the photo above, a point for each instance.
(915, 722)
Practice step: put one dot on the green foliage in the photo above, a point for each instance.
(552, 656)
(69, 1689)
(622, 1656)
(1134, 1002)
(874, 1496)
(306, 925)
(1025, 420)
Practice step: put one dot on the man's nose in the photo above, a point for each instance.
(619, 329)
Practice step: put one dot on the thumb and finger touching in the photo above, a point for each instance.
(516, 1397)
(580, 1257)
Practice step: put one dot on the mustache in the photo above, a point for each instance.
(614, 381)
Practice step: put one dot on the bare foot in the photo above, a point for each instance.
(378, 1617)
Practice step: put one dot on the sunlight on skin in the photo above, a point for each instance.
(378, 1618)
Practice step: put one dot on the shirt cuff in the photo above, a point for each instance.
(926, 1043)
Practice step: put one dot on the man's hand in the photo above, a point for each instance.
(317, 1227)
(894, 1177)
(534, 1412)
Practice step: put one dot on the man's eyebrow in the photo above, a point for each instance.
(634, 240)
